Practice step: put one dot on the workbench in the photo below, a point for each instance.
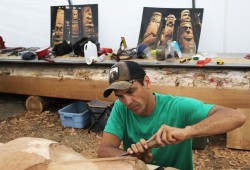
(72, 78)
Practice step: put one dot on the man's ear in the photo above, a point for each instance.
(147, 82)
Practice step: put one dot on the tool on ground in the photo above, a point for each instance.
(151, 144)
(201, 63)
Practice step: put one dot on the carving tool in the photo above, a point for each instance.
(220, 62)
(185, 60)
(201, 63)
(151, 144)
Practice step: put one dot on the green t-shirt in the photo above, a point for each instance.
(172, 111)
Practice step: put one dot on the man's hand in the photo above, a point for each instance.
(141, 151)
(167, 135)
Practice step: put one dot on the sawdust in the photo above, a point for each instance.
(48, 125)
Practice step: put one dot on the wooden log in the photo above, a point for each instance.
(121, 163)
(240, 137)
(34, 153)
(38, 104)
(59, 153)
(41, 154)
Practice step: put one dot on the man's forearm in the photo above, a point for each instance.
(221, 121)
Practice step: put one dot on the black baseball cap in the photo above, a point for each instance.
(121, 75)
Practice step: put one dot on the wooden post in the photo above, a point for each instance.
(240, 137)
(38, 104)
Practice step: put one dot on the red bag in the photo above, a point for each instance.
(2, 46)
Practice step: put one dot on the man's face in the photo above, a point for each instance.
(135, 98)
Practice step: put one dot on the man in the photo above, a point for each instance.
(140, 116)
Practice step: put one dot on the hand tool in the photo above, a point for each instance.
(201, 63)
(220, 62)
(151, 144)
(8, 50)
(185, 60)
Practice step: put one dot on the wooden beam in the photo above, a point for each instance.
(93, 89)
(240, 138)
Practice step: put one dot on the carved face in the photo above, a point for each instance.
(168, 32)
(156, 17)
(170, 20)
(74, 14)
(59, 26)
(186, 39)
(185, 16)
(87, 21)
(59, 30)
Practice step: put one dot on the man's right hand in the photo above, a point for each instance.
(141, 151)
(168, 135)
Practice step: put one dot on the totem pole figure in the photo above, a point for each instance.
(168, 32)
(150, 36)
(186, 38)
(185, 34)
(59, 27)
(75, 23)
(185, 16)
(87, 22)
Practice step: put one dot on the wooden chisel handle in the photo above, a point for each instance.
(151, 144)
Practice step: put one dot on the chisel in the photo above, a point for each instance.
(151, 144)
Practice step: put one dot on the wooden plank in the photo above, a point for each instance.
(240, 137)
(93, 89)
(233, 98)
(53, 87)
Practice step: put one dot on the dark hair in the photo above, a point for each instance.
(140, 80)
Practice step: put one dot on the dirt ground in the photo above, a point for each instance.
(16, 121)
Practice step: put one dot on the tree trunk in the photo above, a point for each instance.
(38, 104)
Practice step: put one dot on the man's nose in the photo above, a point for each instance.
(127, 100)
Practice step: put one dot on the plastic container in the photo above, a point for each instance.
(177, 48)
(75, 115)
(90, 49)
(169, 54)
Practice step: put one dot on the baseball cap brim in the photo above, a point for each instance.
(120, 85)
